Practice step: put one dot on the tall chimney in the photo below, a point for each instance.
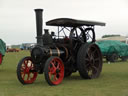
(39, 26)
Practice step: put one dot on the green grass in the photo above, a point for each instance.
(113, 81)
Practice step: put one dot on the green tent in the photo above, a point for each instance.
(2, 47)
(109, 47)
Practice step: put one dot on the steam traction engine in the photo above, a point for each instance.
(58, 56)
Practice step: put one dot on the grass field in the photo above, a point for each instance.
(113, 81)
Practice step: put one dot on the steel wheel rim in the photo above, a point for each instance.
(27, 71)
(56, 71)
(93, 61)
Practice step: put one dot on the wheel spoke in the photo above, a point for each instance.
(50, 75)
(94, 52)
(23, 75)
(25, 63)
(95, 68)
(53, 64)
(97, 59)
(58, 65)
(28, 76)
(55, 78)
(22, 68)
(30, 65)
(89, 55)
(87, 65)
(53, 69)
(87, 59)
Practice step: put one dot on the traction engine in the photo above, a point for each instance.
(57, 56)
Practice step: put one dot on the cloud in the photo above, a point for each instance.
(17, 17)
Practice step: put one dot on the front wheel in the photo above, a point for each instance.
(26, 72)
(54, 70)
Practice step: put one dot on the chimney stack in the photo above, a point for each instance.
(39, 25)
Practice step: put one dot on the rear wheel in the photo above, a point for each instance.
(113, 58)
(54, 70)
(26, 72)
(89, 61)
(124, 58)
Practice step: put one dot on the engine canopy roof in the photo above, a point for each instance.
(68, 22)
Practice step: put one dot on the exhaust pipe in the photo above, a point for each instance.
(39, 26)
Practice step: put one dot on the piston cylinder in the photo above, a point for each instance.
(61, 52)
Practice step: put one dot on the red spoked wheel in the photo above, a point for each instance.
(0, 58)
(54, 70)
(26, 72)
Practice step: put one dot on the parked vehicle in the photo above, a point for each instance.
(12, 50)
(2, 50)
(59, 55)
(112, 50)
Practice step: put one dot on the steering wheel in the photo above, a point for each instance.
(77, 34)
(90, 35)
(81, 35)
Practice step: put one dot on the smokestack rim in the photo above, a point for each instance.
(38, 9)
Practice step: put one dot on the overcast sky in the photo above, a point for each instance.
(17, 17)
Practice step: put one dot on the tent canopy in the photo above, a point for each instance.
(2, 47)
